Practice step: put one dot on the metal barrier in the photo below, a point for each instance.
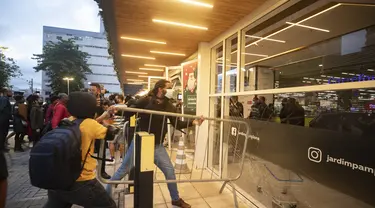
(216, 149)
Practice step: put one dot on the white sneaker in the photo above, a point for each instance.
(31, 145)
(111, 162)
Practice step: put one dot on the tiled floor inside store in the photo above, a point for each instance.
(199, 195)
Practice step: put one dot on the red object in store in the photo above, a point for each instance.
(370, 106)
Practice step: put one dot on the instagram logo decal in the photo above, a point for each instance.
(315, 155)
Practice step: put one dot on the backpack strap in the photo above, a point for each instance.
(87, 154)
(78, 123)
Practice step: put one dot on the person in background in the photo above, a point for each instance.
(5, 116)
(118, 122)
(59, 111)
(3, 180)
(260, 109)
(19, 122)
(49, 112)
(36, 119)
(295, 113)
(284, 111)
(236, 108)
(96, 91)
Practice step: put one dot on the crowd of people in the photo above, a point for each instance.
(99, 113)
(291, 112)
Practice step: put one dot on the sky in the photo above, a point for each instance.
(21, 29)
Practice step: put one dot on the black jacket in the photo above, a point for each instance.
(156, 126)
(5, 110)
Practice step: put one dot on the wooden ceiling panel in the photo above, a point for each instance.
(134, 19)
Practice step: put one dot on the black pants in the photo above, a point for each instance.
(18, 140)
(4, 129)
(89, 194)
(35, 136)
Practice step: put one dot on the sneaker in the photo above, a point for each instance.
(106, 176)
(181, 203)
(111, 162)
(31, 145)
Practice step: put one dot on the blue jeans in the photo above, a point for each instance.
(161, 160)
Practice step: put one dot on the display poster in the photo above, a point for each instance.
(190, 76)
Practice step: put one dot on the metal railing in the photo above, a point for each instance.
(211, 165)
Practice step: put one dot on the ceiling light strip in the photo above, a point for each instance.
(150, 69)
(135, 56)
(134, 72)
(309, 27)
(143, 40)
(197, 3)
(179, 24)
(290, 26)
(254, 54)
(135, 80)
(153, 65)
(168, 53)
(269, 39)
(276, 55)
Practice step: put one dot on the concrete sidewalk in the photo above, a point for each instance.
(21, 194)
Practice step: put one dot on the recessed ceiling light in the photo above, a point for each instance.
(320, 65)
(269, 39)
(135, 80)
(153, 65)
(134, 72)
(197, 3)
(168, 53)
(135, 56)
(254, 54)
(143, 40)
(370, 70)
(179, 24)
(150, 69)
(305, 26)
(137, 83)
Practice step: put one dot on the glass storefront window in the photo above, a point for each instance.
(214, 130)
(315, 51)
(216, 68)
(284, 127)
(231, 51)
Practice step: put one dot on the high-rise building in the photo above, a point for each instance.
(93, 43)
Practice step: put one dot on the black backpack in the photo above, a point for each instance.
(56, 160)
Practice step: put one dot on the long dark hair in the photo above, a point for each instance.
(159, 84)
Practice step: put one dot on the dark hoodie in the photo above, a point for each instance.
(156, 126)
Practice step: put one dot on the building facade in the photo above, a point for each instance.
(93, 43)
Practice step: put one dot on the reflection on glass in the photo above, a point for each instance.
(231, 64)
(217, 68)
(214, 135)
(300, 56)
